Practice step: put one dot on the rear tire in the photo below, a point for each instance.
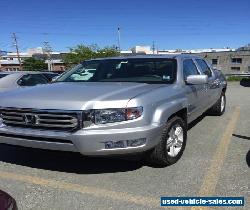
(219, 107)
(172, 144)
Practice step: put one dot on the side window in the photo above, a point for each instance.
(204, 67)
(189, 68)
(31, 80)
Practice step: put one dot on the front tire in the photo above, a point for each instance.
(172, 144)
(219, 107)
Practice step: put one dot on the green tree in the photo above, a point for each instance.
(107, 52)
(32, 64)
(84, 52)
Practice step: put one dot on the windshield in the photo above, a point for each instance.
(150, 70)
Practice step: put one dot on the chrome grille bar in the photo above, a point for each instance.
(12, 117)
(44, 119)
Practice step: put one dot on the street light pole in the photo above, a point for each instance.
(119, 39)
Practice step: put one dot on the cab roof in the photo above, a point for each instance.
(169, 56)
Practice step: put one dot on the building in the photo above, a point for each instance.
(9, 61)
(226, 59)
(148, 50)
(229, 62)
(142, 50)
(210, 50)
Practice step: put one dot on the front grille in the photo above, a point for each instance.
(57, 120)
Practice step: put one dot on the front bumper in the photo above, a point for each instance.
(87, 142)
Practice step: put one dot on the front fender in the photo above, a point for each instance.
(164, 111)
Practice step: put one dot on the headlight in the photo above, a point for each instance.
(103, 116)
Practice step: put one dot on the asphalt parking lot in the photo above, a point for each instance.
(215, 163)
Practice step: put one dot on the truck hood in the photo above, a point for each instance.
(75, 96)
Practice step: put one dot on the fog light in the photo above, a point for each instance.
(125, 143)
(136, 142)
(114, 144)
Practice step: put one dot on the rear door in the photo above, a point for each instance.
(196, 94)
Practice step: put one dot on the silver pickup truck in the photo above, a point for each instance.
(116, 106)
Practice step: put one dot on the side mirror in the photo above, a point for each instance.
(197, 79)
(20, 82)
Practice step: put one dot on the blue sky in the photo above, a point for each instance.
(182, 24)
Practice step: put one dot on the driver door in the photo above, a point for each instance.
(196, 94)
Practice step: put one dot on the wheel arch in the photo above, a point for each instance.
(181, 113)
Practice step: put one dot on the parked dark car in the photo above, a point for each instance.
(13, 80)
(2, 75)
(7, 202)
(50, 75)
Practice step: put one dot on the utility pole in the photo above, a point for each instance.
(119, 39)
(17, 50)
(153, 47)
(47, 50)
